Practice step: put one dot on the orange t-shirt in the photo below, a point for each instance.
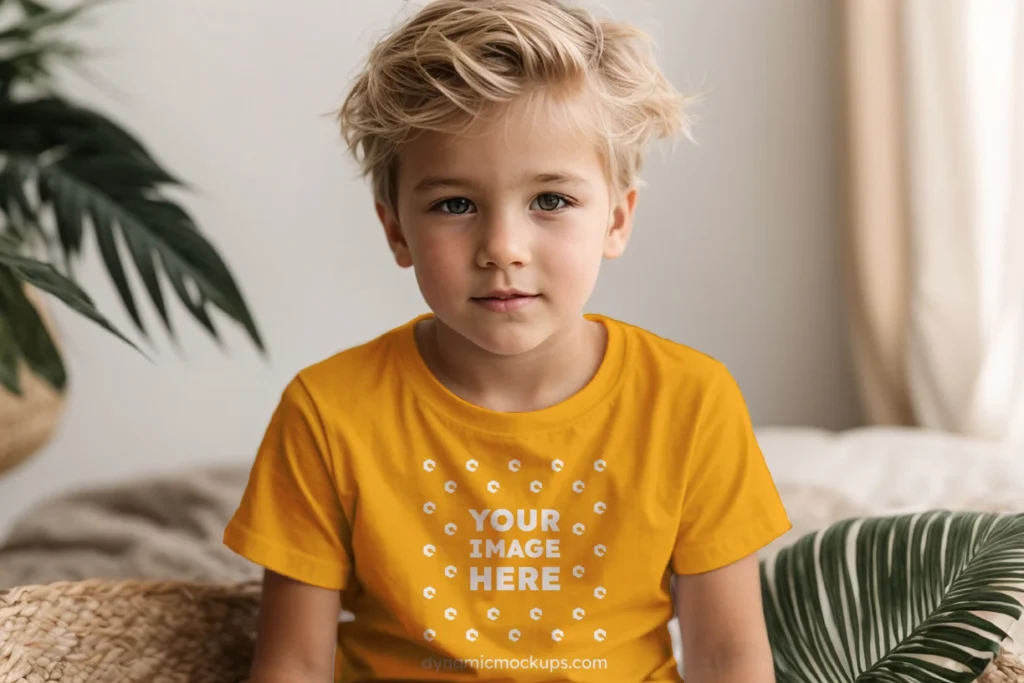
(477, 545)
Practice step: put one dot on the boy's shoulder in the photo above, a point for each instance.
(651, 352)
(667, 370)
(358, 374)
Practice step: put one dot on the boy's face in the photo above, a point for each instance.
(506, 225)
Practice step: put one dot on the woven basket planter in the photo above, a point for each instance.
(128, 631)
(30, 420)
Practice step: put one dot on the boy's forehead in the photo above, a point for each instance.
(514, 141)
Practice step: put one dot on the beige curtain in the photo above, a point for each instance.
(934, 122)
(876, 212)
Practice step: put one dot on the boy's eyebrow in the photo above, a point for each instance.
(561, 177)
(558, 177)
(435, 182)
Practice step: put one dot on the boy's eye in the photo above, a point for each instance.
(455, 205)
(550, 202)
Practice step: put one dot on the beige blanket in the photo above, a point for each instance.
(166, 527)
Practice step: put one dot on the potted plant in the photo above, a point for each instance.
(67, 171)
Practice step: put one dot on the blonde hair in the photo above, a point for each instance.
(454, 58)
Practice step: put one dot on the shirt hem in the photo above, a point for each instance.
(700, 560)
(294, 565)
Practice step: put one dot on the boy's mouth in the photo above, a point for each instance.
(505, 294)
(505, 300)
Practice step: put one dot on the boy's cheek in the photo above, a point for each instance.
(570, 259)
(441, 281)
(441, 257)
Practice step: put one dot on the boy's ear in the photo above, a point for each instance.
(621, 225)
(393, 231)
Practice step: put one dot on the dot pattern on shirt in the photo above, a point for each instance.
(559, 624)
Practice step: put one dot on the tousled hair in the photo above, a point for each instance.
(454, 59)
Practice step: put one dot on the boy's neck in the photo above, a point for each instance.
(538, 379)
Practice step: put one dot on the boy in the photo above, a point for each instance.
(506, 488)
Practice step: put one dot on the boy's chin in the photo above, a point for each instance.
(505, 337)
(508, 342)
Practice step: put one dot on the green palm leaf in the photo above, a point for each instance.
(65, 171)
(924, 598)
(94, 174)
(23, 335)
(29, 51)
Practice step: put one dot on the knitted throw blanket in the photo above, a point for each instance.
(165, 527)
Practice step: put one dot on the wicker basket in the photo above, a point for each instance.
(29, 421)
(128, 631)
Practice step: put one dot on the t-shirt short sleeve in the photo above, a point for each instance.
(731, 507)
(290, 519)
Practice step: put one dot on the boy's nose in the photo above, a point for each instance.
(504, 243)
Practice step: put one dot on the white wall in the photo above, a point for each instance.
(735, 253)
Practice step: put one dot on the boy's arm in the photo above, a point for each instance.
(297, 632)
(721, 622)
